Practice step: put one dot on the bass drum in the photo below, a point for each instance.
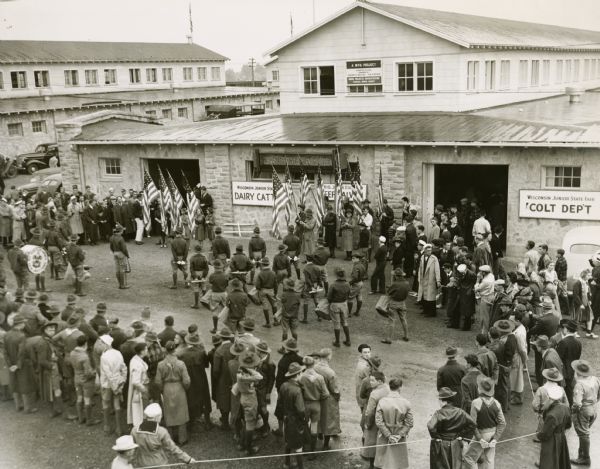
(37, 258)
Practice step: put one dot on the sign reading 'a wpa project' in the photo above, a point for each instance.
(559, 205)
(260, 194)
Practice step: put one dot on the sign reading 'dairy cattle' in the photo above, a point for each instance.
(559, 205)
(363, 72)
(261, 193)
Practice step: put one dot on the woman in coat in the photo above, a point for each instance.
(74, 215)
(198, 395)
(348, 225)
(554, 451)
(581, 304)
(394, 420)
(173, 379)
(429, 281)
(308, 233)
(138, 385)
(330, 226)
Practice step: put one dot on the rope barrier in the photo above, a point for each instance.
(306, 453)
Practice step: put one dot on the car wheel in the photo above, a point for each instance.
(11, 172)
(32, 168)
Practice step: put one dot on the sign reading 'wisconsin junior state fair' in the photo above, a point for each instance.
(559, 205)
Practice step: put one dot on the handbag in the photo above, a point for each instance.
(382, 306)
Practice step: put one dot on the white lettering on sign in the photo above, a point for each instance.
(261, 193)
(559, 205)
(363, 72)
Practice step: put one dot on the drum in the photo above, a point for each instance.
(37, 258)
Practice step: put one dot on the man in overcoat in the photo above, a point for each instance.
(429, 281)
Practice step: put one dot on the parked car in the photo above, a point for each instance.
(50, 184)
(10, 167)
(580, 244)
(40, 158)
(44, 173)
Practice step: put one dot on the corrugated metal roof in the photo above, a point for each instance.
(472, 31)
(39, 104)
(376, 129)
(24, 52)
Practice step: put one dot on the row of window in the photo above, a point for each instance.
(182, 113)
(15, 129)
(41, 78)
(531, 73)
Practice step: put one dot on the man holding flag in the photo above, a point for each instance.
(192, 203)
(165, 205)
(319, 198)
(280, 200)
(176, 202)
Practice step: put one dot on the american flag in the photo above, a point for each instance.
(318, 194)
(357, 191)
(176, 201)
(290, 194)
(304, 187)
(193, 204)
(338, 185)
(165, 200)
(380, 192)
(280, 200)
(149, 195)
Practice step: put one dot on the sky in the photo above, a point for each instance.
(239, 29)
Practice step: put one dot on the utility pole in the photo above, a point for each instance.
(251, 64)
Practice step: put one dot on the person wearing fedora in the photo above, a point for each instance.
(222, 377)
(554, 450)
(198, 395)
(240, 265)
(125, 449)
(329, 424)
(508, 350)
(338, 296)
(379, 389)
(18, 264)
(312, 284)
(447, 427)
(55, 244)
(586, 394)
(398, 292)
(265, 284)
(281, 265)
(320, 258)
(451, 374)
(38, 238)
(485, 295)
(118, 247)
(290, 355)
(100, 318)
(293, 415)
(237, 302)
(466, 280)
(293, 245)
(76, 257)
(546, 324)
(550, 390)
(315, 392)
(113, 376)
(216, 296)
(358, 274)
(21, 373)
(220, 246)
(569, 350)
(264, 387)
(290, 307)
(468, 384)
(84, 378)
(487, 412)
(378, 274)
(429, 281)
(257, 248)
(246, 380)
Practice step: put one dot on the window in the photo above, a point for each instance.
(71, 78)
(568, 71)
(110, 76)
(167, 114)
(167, 74)
(415, 76)
(182, 112)
(151, 112)
(472, 75)
(151, 75)
(586, 69)
(505, 74)
(490, 74)
(110, 166)
(269, 104)
(559, 71)
(563, 176)
(546, 72)
(576, 67)
(15, 129)
(39, 127)
(535, 73)
(523, 70)
(135, 75)
(201, 73)
(275, 75)
(215, 73)
(91, 77)
(365, 88)
(187, 74)
(319, 80)
(41, 78)
(18, 80)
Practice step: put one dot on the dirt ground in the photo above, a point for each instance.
(37, 441)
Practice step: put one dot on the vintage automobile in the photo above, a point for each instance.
(50, 184)
(580, 244)
(225, 111)
(38, 159)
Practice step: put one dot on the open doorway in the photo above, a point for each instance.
(176, 168)
(487, 184)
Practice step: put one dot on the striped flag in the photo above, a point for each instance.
(304, 187)
(319, 196)
(149, 195)
(280, 200)
(290, 194)
(380, 192)
(165, 200)
(193, 204)
(176, 201)
(338, 185)
(357, 191)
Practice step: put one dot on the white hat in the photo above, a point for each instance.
(485, 268)
(108, 340)
(124, 443)
(500, 282)
(462, 268)
(427, 245)
(401, 228)
(382, 239)
(422, 243)
(152, 411)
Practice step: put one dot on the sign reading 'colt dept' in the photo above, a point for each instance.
(363, 72)
(559, 205)
(261, 193)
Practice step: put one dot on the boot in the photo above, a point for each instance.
(196, 299)
(80, 414)
(332, 253)
(347, 335)
(28, 403)
(313, 447)
(298, 273)
(57, 406)
(106, 420)
(267, 319)
(78, 288)
(326, 287)
(52, 270)
(215, 320)
(350, 305)
(358, 306)
(584, 452)
(225, 421)
(88, 417)
(251, 449)
(37, 283)
(43, 285)
(174, 286)
(326, 439)
(119, 422)
(337, 338)
(304, 319)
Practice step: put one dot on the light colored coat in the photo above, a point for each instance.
(392, 417)
(138, 379)
(429, 279)
(308, 236)
(370, 430)
(330, 407)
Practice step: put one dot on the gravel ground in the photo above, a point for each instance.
(37, 441)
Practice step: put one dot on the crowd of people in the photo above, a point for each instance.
(147, 378)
